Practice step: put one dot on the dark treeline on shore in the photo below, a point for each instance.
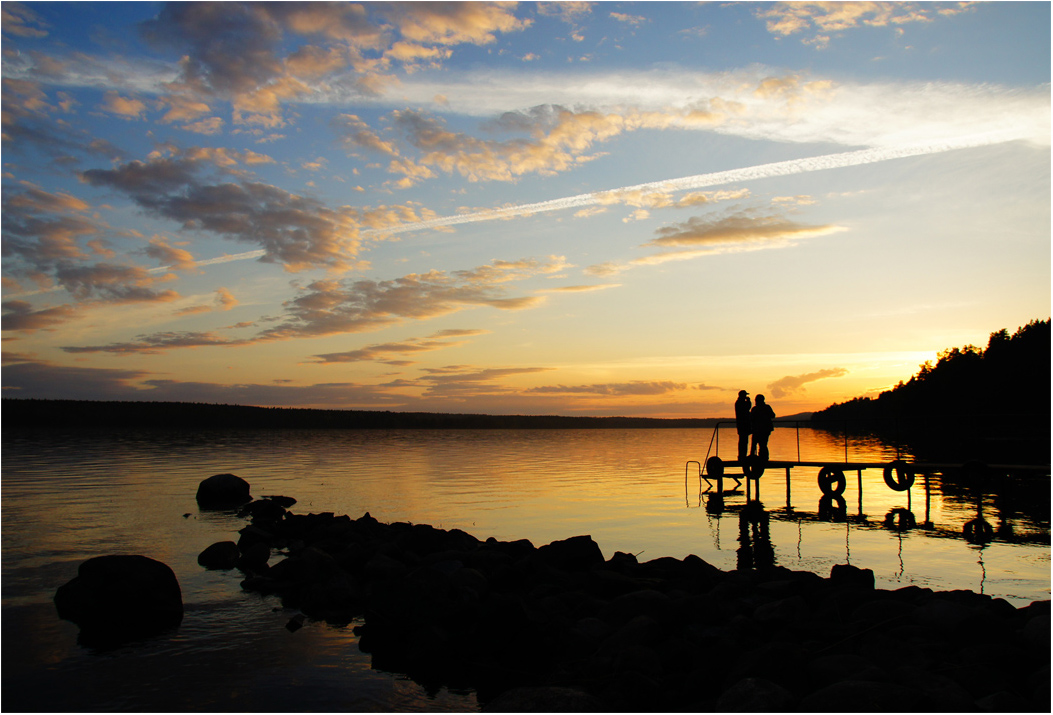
(988, 403)
(70, 414)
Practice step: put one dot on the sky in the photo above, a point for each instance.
(582, 208)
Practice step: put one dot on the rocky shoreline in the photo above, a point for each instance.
(560, 628)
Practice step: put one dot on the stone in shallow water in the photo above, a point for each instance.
(223, 491)
(121, 597)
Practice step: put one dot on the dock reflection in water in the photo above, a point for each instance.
(876, 494)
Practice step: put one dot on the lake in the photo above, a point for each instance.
(70, 496)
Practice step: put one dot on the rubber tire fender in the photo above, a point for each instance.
(898, 476)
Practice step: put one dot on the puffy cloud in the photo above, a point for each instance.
(123, 106)
(111, 283)
(559, 139)
(790, 18)
(634, 20)
(295, 231)
(41, 228)
(234, 50)
(454, 23)
(795, 383)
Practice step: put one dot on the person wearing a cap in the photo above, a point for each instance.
(742, 422)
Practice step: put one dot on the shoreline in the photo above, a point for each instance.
(559, 628)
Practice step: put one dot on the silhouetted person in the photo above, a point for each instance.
(742, 422)
(761, 424)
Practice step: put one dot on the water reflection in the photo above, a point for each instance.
(67, 499)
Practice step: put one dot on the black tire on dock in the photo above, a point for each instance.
(898, 476)
(832, 481)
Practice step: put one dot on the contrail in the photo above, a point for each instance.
(225, 258)
(761, 171)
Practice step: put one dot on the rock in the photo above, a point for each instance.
(755, 695)
(860, 697)
(577, 553)
(223, 491)
(223, 555)
(254, 558)
(849, 575)
(1002, 702)
(119, 598)
(547, 699)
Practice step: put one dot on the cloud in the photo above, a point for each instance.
(569, 12)
(111, 283)
(170, 256)
(381, 351)
(20, 315)
(617, 389)
(464, 381)
(332, 307)
(123, 106)
(738, 227)
(454, 23)
(27, 378)
(634, 20)
(223, 300)
(296, 231)
(792, 384)
(157, 343)
(668, 186)
(789, 18)
(20, 21)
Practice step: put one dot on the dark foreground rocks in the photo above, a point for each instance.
(560, 628)
(118, 598)
(223, 491)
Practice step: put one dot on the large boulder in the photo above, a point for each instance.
(223, 491)
(118, 598)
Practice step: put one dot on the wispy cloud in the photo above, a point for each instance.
(792, 384)
(333, 307)
(382, 352)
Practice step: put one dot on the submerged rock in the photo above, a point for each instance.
(118, 598)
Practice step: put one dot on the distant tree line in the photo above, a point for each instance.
(75, 414)
(988, 403)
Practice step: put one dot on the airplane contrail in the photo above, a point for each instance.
(697, 181)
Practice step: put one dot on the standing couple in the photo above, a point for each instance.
(757, 421)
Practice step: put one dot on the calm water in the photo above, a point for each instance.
(68, 498)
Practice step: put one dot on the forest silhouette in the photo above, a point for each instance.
(988, 403)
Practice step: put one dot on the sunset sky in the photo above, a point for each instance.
(536, 208)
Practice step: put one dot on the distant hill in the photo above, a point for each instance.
(991, 403)
(77, 414)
